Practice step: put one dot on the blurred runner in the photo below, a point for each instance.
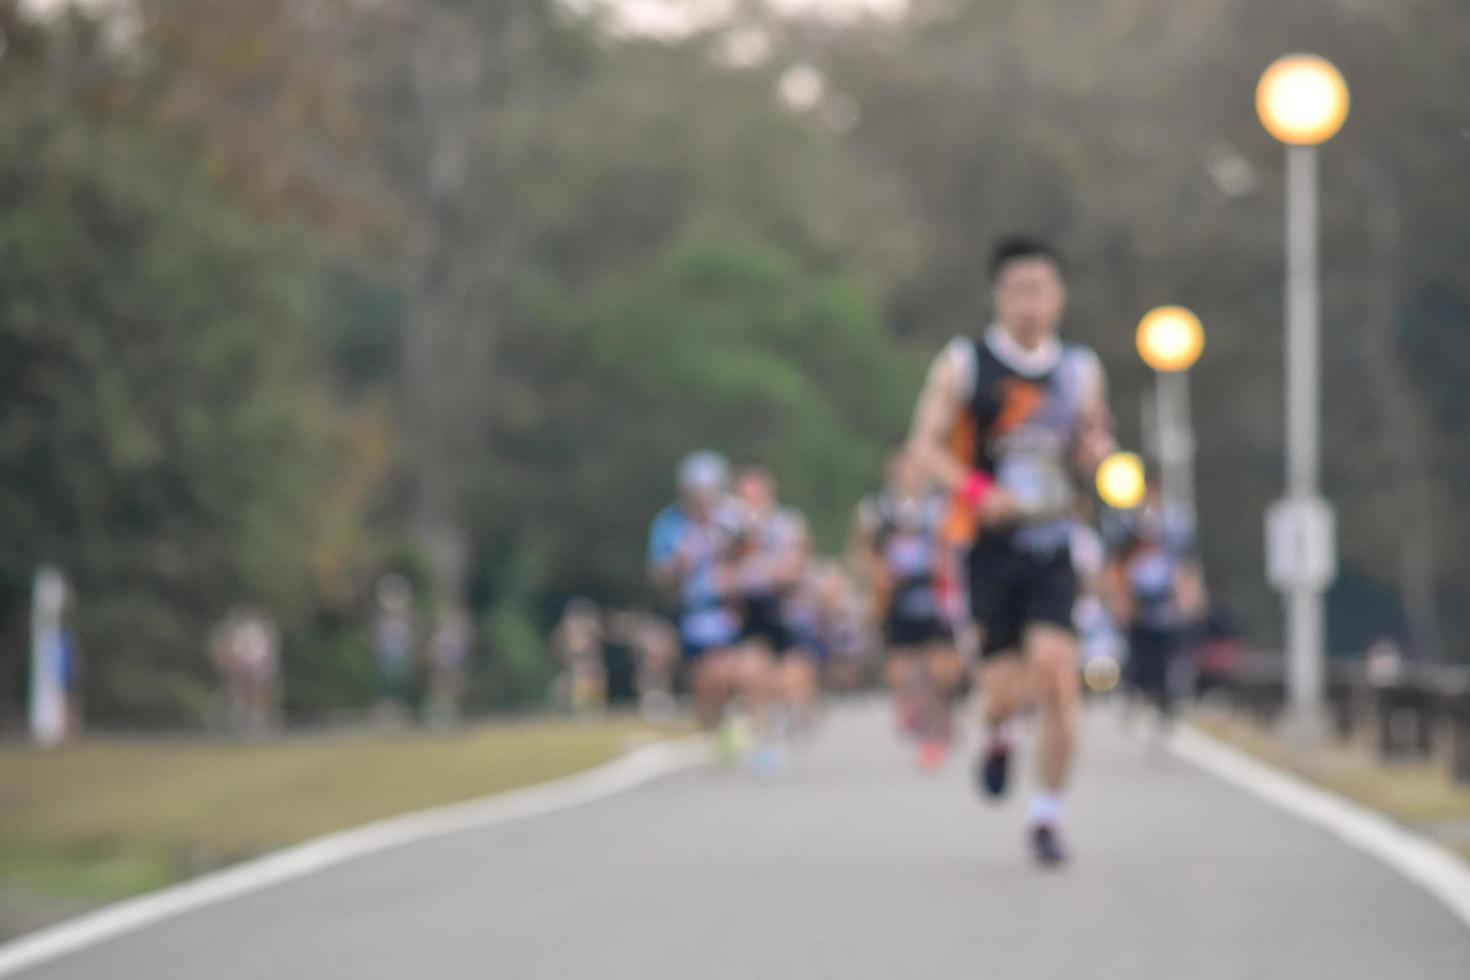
(619, 658)
(247, 651)
(825, 619)
(691, 556)
(578, 643)
(842, 626)
(772, 558)
(1101, 648)
(657, 647)
(449, 654)
(393, 642)
(1008, 422)
(804, 622)
(1156, 594)
(901, 530)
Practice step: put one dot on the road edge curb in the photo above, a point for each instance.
(632, 769)
(1422, 861)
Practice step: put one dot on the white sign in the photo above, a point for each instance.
(1301, 544)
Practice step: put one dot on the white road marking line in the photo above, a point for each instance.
(1412, 855)
(634, 769)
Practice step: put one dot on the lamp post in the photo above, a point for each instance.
(1170, 340)
(1303, 102)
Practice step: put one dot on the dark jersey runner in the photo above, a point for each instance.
(1018, 426)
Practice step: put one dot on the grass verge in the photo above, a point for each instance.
(103, 820)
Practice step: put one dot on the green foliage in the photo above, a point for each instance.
(742, 349)
(732, 345)
(532, 265)
(163, 437)
(517, 671)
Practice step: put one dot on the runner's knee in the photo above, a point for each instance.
(1052, 655)
(1002, 686)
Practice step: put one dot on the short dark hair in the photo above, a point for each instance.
(1013, 248)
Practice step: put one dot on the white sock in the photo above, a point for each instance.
(1003, 734)
(1046, 808)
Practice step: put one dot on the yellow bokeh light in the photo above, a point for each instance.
(1170, 339)
(1302, 99)
(1120, 481)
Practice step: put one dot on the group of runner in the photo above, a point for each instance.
(758, 616)
(977, 544)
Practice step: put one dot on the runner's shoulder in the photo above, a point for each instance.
(1082, 357)
(958, 355)
(667, 530)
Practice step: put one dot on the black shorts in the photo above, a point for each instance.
(1011, 589)
(765, 622)
(1151, 656)
(900, 632)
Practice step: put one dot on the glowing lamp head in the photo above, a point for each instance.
(1302, 100)
(1170, 339)
(1120, 481)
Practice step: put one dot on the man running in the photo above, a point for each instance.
(773, 555)
(901, 535)
(1009, 422)
(1156, 594)
(691, 550)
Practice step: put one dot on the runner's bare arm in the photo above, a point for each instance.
(1095, 439)
(668, 571)
(934, 419)
(665, 577)
(873, 571)
(1115, 594)
(796, 554)
(865, 540)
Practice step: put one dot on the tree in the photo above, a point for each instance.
(165, 438)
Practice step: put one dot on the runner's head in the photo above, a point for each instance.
(756, 487)
(703, 478)
(1028, 288)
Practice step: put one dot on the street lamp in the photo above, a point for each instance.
(1170, 340)
(1303, 102)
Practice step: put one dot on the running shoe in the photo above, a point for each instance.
(1047, 845)
(733, 739)
(932, 754)
(994, 769)
(768, 761)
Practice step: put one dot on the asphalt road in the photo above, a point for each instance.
(851, 865)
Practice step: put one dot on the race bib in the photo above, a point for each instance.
(1039, 484)
(909, 555)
